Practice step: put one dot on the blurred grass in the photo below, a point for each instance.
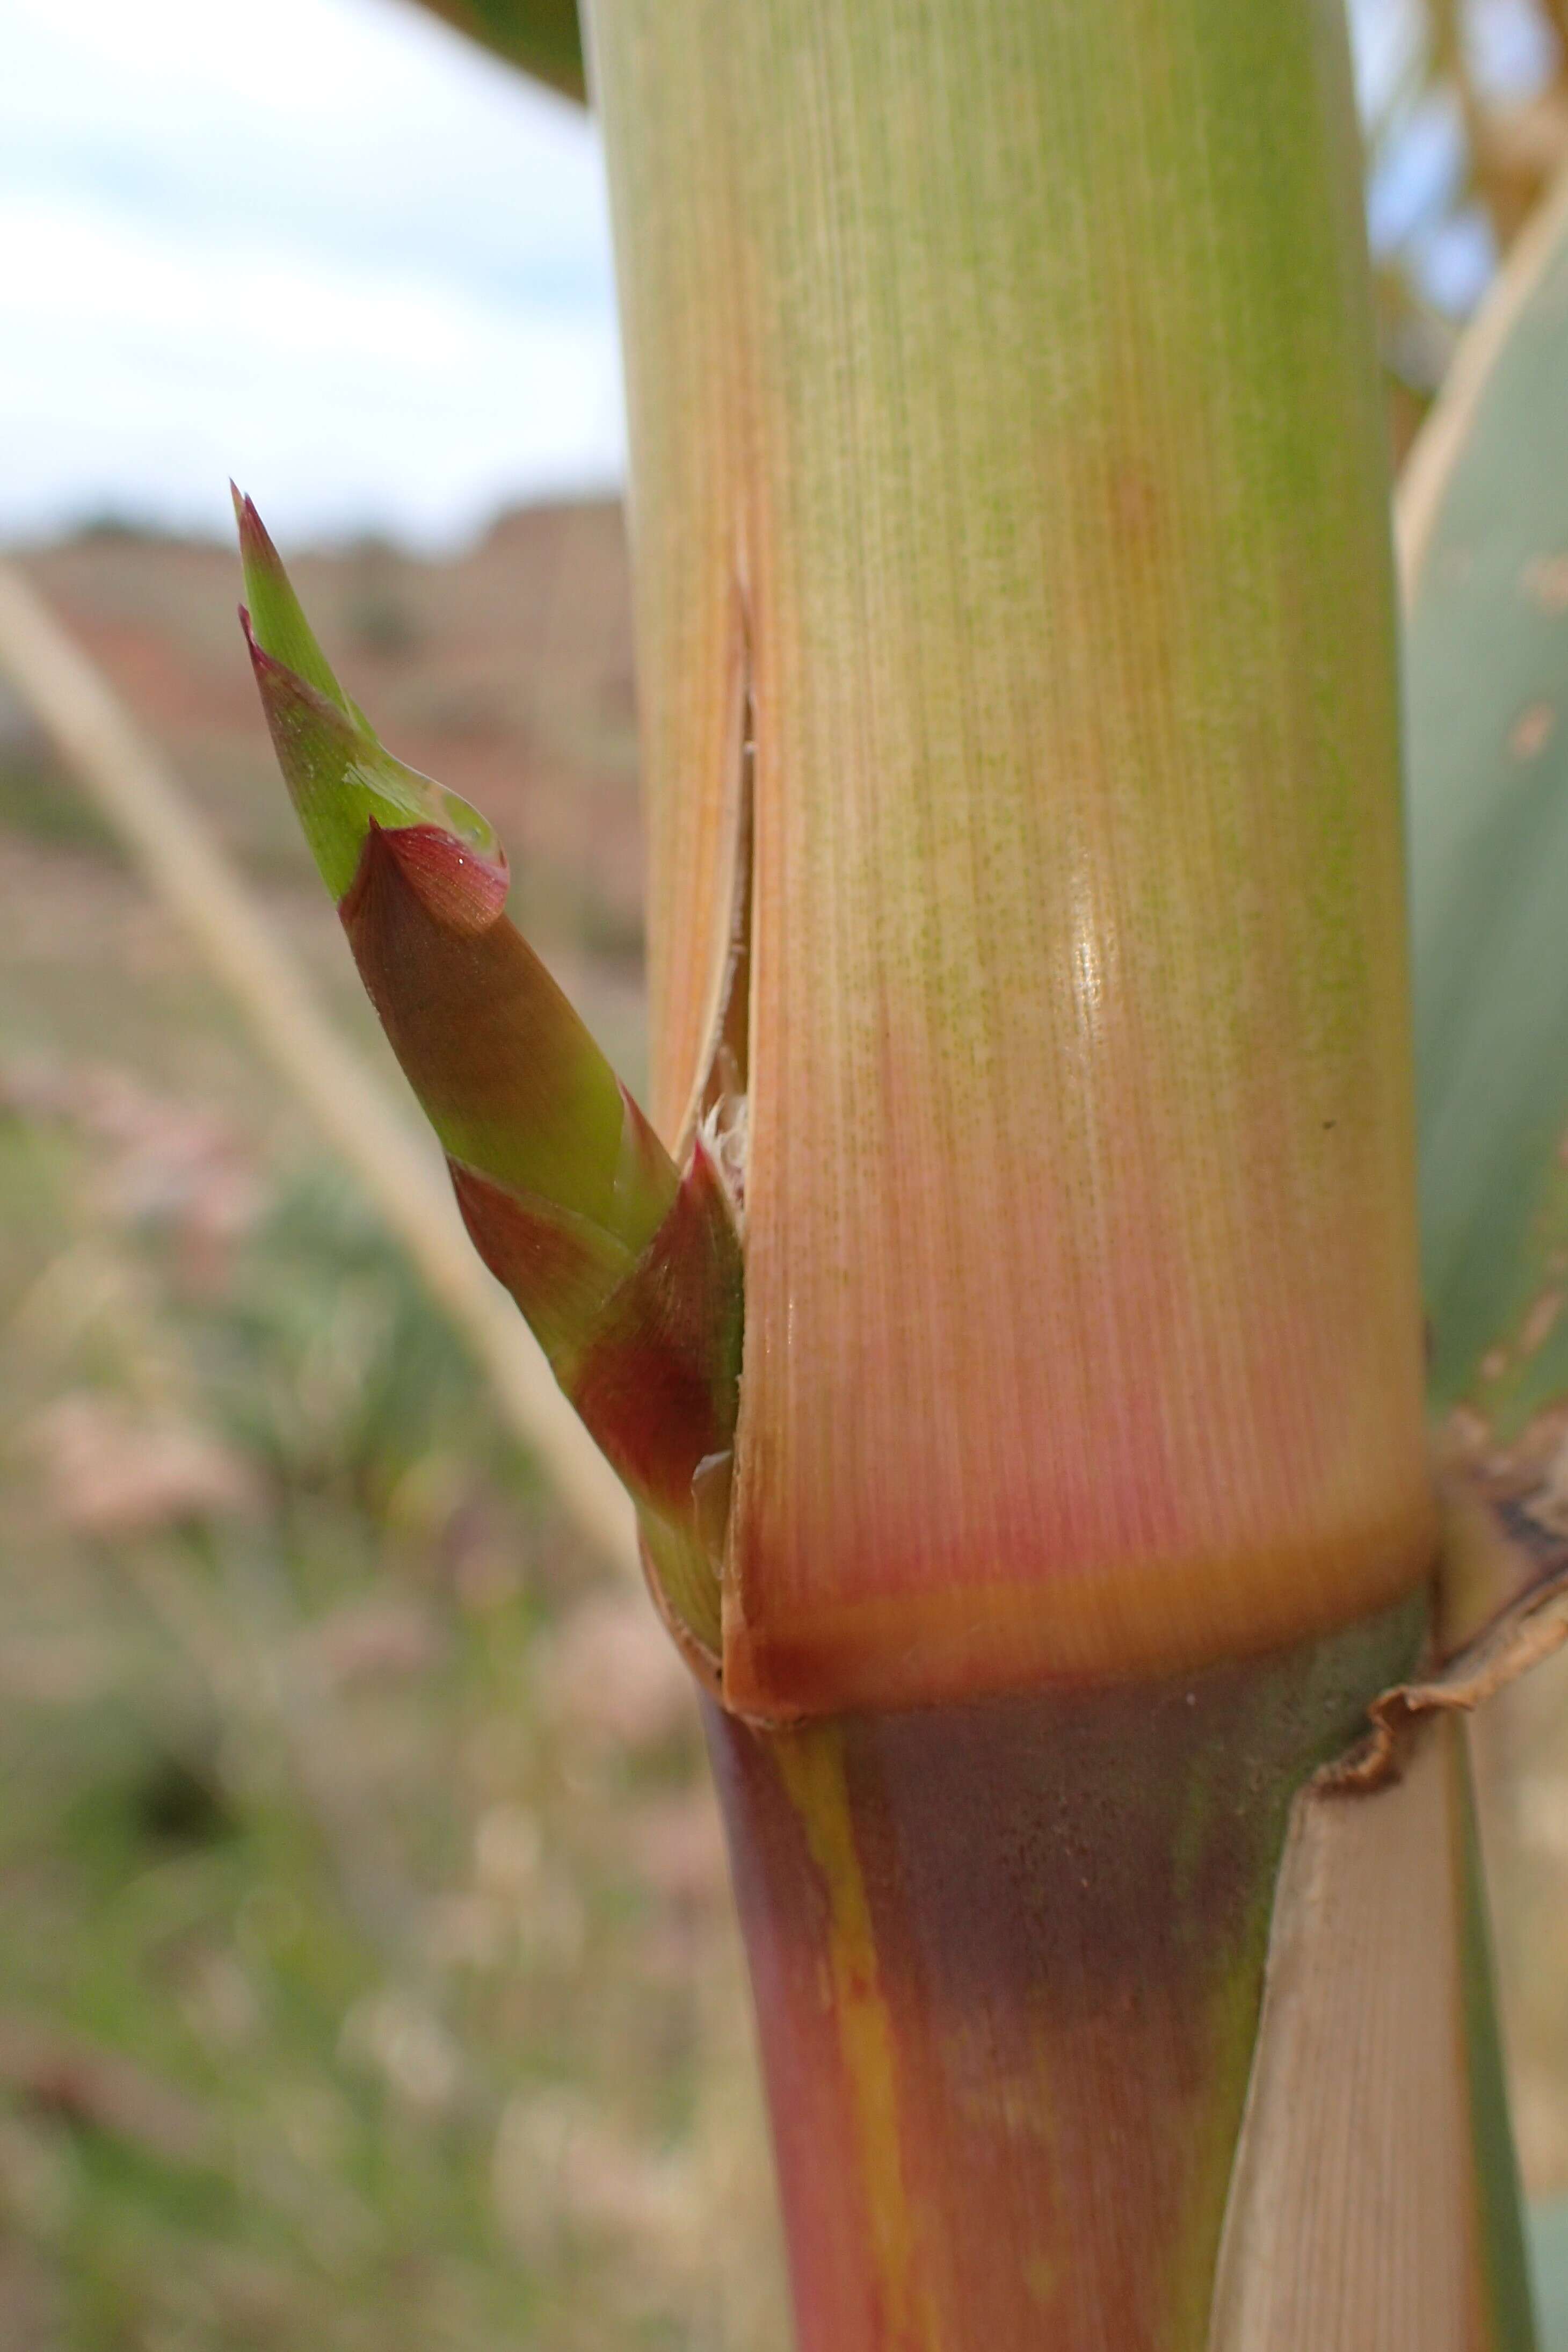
(366, 1977)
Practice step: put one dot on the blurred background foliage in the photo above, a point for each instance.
(366, 1970)
(1465, 113)
(366, 1977)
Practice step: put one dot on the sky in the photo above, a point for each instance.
(325, 246)
(330, 247)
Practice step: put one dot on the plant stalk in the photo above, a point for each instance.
(1009, 473)
(1007, 1961)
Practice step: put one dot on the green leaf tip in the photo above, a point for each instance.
(341, 778)
(276, 619)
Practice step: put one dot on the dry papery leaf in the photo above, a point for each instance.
(1358, 2214)
(1351, 2219)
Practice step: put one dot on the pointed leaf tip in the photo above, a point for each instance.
(342, 780)
(277, 617)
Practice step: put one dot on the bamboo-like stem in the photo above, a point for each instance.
(1374, 2199)
(1007, 1962)
(1015, 639)
(177, 855)
(1007, 444)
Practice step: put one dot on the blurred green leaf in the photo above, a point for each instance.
(1548, 2228)
(1487, 663)
(543, 37)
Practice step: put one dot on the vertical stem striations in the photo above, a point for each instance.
(1008, 473)
(1003, 412)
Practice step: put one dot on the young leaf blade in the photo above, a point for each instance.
(629, 1274)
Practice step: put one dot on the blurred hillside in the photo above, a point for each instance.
(506, 671)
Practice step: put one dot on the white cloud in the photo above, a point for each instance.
(349, 258)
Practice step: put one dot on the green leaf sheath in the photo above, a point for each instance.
(629, 1274)
(1486, 667)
